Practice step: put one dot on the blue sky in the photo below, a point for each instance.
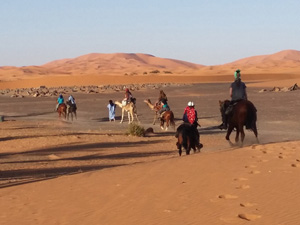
(208, 32)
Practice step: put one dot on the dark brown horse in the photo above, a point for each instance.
(62, 110)
(242, 114)
(71, 109)
(188, 137)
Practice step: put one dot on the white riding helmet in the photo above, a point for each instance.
(190, 103)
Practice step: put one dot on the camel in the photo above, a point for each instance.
(130, 108)
(155, 108)
(167, 117)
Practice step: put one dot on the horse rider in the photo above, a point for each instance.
(190, 116)
(162, 97)
(71, 99)
(164, 107)
(237, 92)
(128, 97)
(60, 100)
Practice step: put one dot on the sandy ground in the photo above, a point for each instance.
(89, 172)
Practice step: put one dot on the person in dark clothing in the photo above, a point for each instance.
(237, 92)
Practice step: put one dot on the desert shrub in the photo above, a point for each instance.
(155, 71)
(168, 72)
(136, 130)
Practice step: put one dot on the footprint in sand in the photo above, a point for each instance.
(256, 147)
(249, 217)
(255, 156)
(295, 165)
(240, 179)
(228, 196)
(263, 160)
(247, 204)
(244, 186)
(282, 157)
(254, 172)
(251, 166)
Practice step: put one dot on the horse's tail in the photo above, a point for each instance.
(172, 120)
(251, 116)
(185, 140)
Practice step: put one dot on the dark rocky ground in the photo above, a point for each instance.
(278, 112)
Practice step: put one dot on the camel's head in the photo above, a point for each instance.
(147, 101)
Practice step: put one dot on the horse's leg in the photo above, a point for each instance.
(75, 115)
(167, 123)
(179, 143)
(242, 134)
(180, 150)
(237, 134)
(230, 129)
(162, 123)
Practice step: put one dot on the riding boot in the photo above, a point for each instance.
(223, 125)
(228, 110)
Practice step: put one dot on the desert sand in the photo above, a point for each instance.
(88, 171)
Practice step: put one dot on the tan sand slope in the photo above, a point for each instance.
(258, 183)
(284, 64)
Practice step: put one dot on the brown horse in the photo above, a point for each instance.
(243, 114)
(62, 110)
(188, 137)
(167, 118)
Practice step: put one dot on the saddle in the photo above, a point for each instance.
(231, 106)
(161, 115)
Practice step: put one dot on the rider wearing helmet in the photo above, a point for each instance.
(190, 114)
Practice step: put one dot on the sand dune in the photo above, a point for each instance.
(130, 66)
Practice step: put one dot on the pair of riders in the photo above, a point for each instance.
(71, 99)
(237, 93)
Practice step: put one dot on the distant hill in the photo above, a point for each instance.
(287, 61)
